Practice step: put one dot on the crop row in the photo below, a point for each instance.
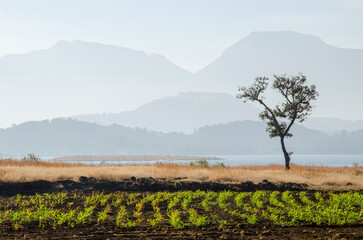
(181, 209)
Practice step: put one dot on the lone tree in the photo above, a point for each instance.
(296, 106)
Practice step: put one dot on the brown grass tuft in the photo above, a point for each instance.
(319, 177)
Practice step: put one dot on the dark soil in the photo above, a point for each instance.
(227, 232)
(140, 185)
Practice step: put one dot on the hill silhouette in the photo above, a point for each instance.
(70, 137)
(336, 72)
(81, 77)
(185, 112)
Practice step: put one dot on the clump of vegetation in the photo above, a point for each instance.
(206, 164)
(200, 163)
(30, 157)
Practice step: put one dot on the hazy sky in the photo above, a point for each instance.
(190, 33)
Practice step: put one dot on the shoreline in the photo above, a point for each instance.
(131, 158)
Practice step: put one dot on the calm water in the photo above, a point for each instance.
(237, 160)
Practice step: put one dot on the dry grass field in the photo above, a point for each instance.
(317, 177)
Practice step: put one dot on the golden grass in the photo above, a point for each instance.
(319, 177)
(132, 158)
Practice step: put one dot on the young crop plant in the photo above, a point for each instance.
(102, 216)
(197, 219)
(137, 214)
(304, 199)
(187, 199)
(206, 202)
(274, 201)
(319, 198)
(120, 217)
(236, 213)
(84, 216)
(117, 200)
(132, 198)
(104, 199)
(158, 218)
(173, 202)
(60, 219)
(175, 219)
(223, 196)
(199, 194)
(71, 216)
(252, 219)
(239, 198)
(132, 223)
(140, 205)
(288, 198)
(155, 203)
(259, 198)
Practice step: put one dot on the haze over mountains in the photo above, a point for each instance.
(81, 77)
(73, 78)
(70, 137)
(189, 111)
(115, 85)
(337, 72)
(185, 112)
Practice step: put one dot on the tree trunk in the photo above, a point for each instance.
(286, 154)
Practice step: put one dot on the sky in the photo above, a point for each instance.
(190, 33)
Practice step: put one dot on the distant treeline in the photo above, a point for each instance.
(62, 137)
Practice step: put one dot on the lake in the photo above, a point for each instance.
(238, 160)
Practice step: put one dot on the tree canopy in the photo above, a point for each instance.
(295, 107)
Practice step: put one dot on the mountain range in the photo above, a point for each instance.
(185, 112)
(82, 77)
(165, 109)
(70, 137)
(190, 111)
(74, 78)
(336, 72)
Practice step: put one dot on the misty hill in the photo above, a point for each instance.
(336, 72)
(333, 124)
(70, 137)
(189, 111)
(182, 113)
(81, 77)
(75, 78)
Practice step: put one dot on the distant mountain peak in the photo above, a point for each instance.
(61, 43)
(282, 34)
(333, 70)
(280, 39)
(93, 46)
(90, 45)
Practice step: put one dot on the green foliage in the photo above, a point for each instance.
(220, 165)
(121, 216)
(30, 157)
(197, 219)
(200, 163)
(175, 219)
(102, 216)
(206, 164)
(182, 209)
(296, 106)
